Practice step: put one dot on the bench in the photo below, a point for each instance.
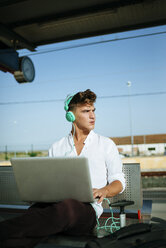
(10, 201)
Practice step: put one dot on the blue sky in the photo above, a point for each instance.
(104, 68)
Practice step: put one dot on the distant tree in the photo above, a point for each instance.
(6, 153)
(32, 154)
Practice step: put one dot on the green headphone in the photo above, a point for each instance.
(69, 115)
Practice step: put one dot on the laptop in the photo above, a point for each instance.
(45, 179)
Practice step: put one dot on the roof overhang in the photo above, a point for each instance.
(31, 23)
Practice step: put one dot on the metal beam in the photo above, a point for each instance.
(102, 32)
(14, 40)
(9, 60)
(5, 3)
(67, 15)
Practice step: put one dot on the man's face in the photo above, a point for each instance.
(85, 116)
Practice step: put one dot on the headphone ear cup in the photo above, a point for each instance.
(70, 116)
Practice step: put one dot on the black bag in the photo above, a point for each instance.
(134, 236)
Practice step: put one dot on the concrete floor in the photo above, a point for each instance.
(159, 210)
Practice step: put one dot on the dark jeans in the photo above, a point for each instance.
(44, 219)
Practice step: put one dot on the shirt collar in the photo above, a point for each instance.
(88, 138)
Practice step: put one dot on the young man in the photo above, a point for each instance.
(71, 216)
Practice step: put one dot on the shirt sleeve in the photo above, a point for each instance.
(114, 165)
(50, 152)
(59, 148)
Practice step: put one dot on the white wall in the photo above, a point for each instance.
(143, 149)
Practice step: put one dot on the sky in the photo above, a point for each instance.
(105, 68)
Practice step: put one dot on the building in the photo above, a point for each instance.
(143, 145)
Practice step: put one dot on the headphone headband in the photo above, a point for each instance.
(67, 101)
(69, 115)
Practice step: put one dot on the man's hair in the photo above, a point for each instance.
(84, 97)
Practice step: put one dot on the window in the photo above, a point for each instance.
(151, 149)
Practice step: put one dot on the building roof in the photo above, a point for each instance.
(140, 139)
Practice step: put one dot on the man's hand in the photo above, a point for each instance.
(99, 194)
(110, 190)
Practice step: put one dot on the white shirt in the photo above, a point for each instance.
(104, 161)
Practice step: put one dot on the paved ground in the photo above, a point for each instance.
(147, 163)
(152, 163)
(159, 210)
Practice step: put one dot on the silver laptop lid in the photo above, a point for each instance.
(53, 179)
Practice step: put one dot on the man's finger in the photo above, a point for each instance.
(95, 195)
(100, 200)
